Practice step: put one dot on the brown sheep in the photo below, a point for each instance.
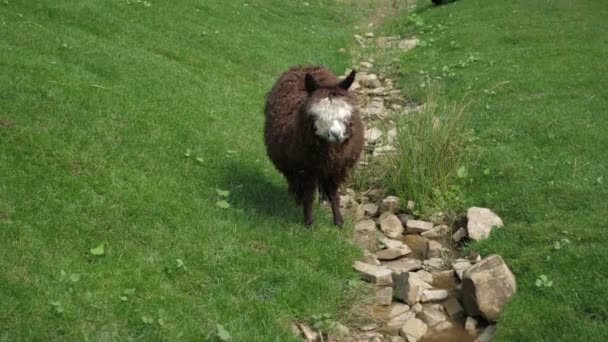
(313, 134)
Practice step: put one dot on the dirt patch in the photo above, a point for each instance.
(3, 216)
(6, 123)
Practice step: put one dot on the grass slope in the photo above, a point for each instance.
(99, 101)
(537, 80)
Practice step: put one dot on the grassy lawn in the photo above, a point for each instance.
(99, 103)
(535, 72)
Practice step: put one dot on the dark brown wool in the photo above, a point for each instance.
(306, 160)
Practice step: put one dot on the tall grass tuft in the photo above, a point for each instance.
(431, 149)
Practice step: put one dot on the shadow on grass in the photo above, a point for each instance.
(257, 193)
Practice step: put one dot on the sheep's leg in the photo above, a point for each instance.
(308, 198)
(331, 188)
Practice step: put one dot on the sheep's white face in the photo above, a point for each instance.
(331, 118)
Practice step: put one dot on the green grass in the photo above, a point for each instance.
(99, 101)
(537, 78)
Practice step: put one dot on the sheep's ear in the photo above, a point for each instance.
(348, 81)
(311, 84)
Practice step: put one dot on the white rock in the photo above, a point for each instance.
(378, 275)
(390, 225)
(425, 276)
(432, 315)
(471, 325)
(370, 209)
(369, 35)
(384, 296)
(481, 222)
(488, 334)
(372, 135)
(459, 235)
(408, 287)
(393, 253)
(403, 265)
(453, 307)
(392, 135)
(365, 226)
(433, 295)
(486, 287)
(413, 330)
(418, 226)
(408, 44)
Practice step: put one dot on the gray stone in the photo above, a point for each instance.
(413, 330)
(481, 221)
(408, 287)
(425, 276)
(370, 258)
(432, 249)
(432, 314)
(397, 321)
(372, 135)
(453, 307)
(382, 150)
(391, 243)
(418, 226)
(416, 308)
(408, 44)
(368, 80)
(390, 204)
(384, 296)
(378, 275)
(436, 232)
(433, 295)
(470, 325)
(366, 65)
(393, 253)
(486, 287)
(459, 235)
(365, 226)
(360, 40)
(308, 334)
(339, 330)
(398, 308)
(443, 326)
(370, 209)
(488, 334)
(433, 264)
(403, 265)
(460, 266)
(390, 225)
(375, 108)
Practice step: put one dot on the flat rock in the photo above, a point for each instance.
(398, 308)
(488, 334)
(453, 308)
(433, 295)
(372, 135)
(370, 258)
(459, 235)
(408, 44)
(391, 243)
(434, 264)
(427, 277)
(432, 314)
(436, 232)
(408, 287)
(378, 275)
(390, 225)
(486, 287)
(460, 266)
(384, 296)
(418, 226)
(393, 253)
(397, 321)
(443, 326)
(481, 221)
(432, 249)
(365, 226)
(403, 265)
(370, 209)
(413, 330)
(390, 204)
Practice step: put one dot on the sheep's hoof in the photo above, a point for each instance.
(339, 223)
(309, 224)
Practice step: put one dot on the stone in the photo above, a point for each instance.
(397, 321)
(372, 135)
(359, 40)
(369, 327)
(481, 221)
(366, 226)
(443, 274)
(390, 204)
(369, 80)
(391, 136)
(339, 330)
(432, 314)
(384, 296)
(433, 295)
(393, 253)
(308, 334)
(370, 258)
(413, 330)
(410, 206)
(378, 275)
(370, 209)
(398, 308)
(474, 257)
(453, 308)
(403, 265)
(378, 91)
(416, 308)
(432, 249)
(382, 150)
(486, 287)
(443, 326)
(408, 287)
(438, 218)
(459, 235)
(460, 266)
(404, 218)
(390, 225)
(470, 325)
(369, 35)
(347, 201)
(436, 232)
(488, 334)
(418, 226)
(397, 339)
(391, 243)
(375, 108)
(408, 44)
(425, 276)
(433, 263)
(366, 65)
